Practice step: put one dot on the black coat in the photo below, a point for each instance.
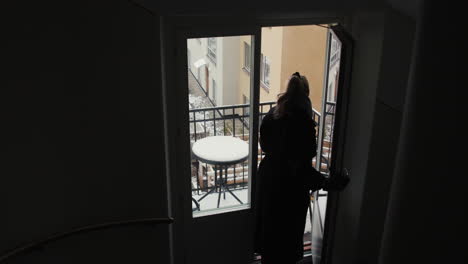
(283, 186)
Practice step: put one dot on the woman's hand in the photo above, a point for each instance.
(337, 182)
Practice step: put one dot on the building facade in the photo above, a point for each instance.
(223, 65)
(215, 64)
(286, 50)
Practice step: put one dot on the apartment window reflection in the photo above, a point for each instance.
(213, 88)
(265, 72)
(212, 49)
(247, 57)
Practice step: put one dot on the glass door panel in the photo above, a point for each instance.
(219, 88)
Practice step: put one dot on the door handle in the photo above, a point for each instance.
(337, 181)
(344, 173)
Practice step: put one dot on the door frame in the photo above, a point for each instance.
(173, 33)
(339, 136)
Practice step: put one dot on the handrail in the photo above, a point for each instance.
(238, 106)
(226, 107)
(81, 230)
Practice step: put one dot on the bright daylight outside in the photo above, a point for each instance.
(219, 75)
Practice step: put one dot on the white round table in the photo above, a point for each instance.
(221, 151)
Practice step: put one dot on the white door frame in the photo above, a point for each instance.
(176, 121)
(174, 32)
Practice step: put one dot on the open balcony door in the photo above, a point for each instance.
(226, 237)
(331, 139)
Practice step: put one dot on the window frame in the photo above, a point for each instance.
(212, 53)
(171, 29)
(247, 57)
(213, 90)
(263, 62)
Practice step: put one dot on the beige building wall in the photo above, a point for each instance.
(304, 51)
(289, 49)
(272, 46)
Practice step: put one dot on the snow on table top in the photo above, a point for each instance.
(221, 148)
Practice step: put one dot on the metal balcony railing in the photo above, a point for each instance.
(232, 120)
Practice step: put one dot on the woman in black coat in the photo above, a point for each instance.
(285, 176)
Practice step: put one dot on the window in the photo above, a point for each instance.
(334, 58)
(335, 52)
(212, 49)
(331, 92)
(247, 57)
(213, 88)
(265, 72)
(246, 100)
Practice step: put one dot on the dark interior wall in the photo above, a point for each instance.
(383, 49)
(81, 120)
(367, 29)
(243, 7)
(409, 8)
(396, 58)
(426, 217)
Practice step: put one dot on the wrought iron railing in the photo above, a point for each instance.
(231, 120)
